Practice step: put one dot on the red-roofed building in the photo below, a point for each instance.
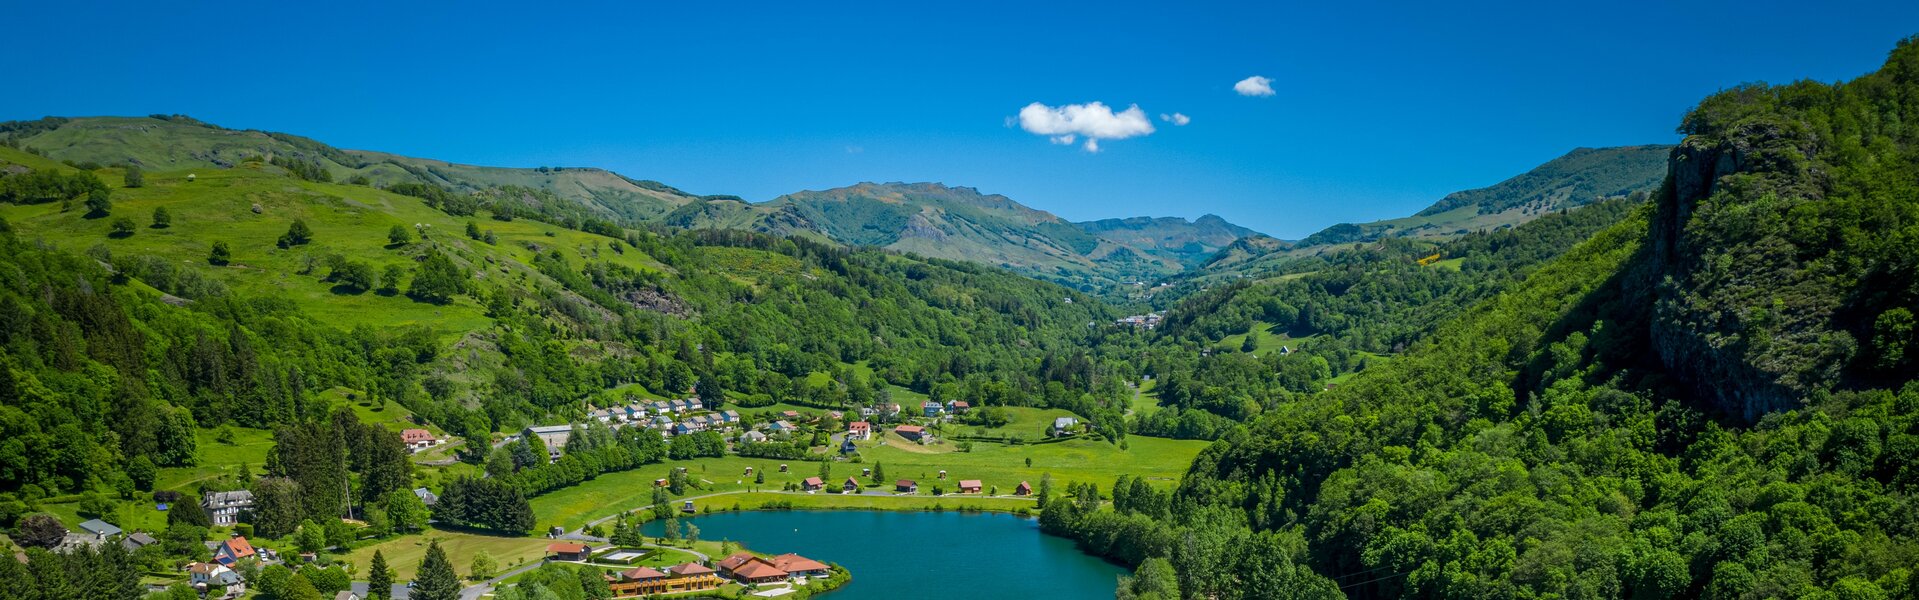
(850, 486)
(958, 406)
(418, 439)
(1024, 489)
(795, 564)
(906, 486)
(233, 550)
(747, 568)
(637, 581)
(859, 430)
(691, 577)
(812, 484)
(970, 486)
(568, 551)
(911, 432)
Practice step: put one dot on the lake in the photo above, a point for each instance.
(921, 554)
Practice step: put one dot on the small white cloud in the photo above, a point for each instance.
(854, 149)
(1094, 121)
(1176, 119)
(1254, 86)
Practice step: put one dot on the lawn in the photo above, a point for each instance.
(1026, 422)
(405, 553)
(1004, 466)
(249, 447)
(1146, 398)
(757, 500)
(1265, 335)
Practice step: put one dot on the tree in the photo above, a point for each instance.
(879, 473)
(379, 579)
(297, 234)
(483, 567)
(593, 585)
(437, 280)
(99, 203)
(121, 227)
(436, 579)
(407, 512)
(135, 178)
(220, 254)
(276, 506)
(354, 274)
(187, 512)
(398, 235)
(40, 531)
(473, 231)
(339, 534)
(310, 538)
(142, 472)
(298, 587)
(161, 218)
(390, 282)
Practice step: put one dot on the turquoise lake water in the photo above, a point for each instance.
(921, 554)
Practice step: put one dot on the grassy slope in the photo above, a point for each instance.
(1087, 461)
(349, 220)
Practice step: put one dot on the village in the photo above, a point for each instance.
(824, 436)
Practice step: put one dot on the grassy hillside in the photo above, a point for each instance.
(172, 143)
(1578, 178)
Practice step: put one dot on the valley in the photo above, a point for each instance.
(245, 364)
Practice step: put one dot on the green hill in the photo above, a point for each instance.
(1576, 179)
(927, 219)
(169, 143)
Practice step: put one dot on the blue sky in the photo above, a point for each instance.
(1377, 108)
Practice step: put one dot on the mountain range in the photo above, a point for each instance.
(928, 219)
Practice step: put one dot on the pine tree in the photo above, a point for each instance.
(379, 579)
(220, 255)
(436, 580)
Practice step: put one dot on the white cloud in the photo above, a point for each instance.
(1094, 121)
(1254, 86)
(1176, 119)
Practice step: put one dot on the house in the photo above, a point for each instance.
(753, 437)
(812, 484)
(970, 486)
(568, 551)
(1064, 425)
(746, 568)
(890, 409)
(678, 406)
(847, 446)
(906, 486)
(931, 408)
(781, 426)
(694, 404)
(691, 577)
(227, 508)
(911, 432)
(868, 412)
(851, 485)
(203, 575)
(418, 439)
(99, 529)
(959, 407)
(1024, 489)
(682, 429)
(426, 496)
(836, 415)
(234, 550)
(729, 416)
(790, 414)
(801, 566)
(138, 540)
(637, 581)
(859, 430)
(554, 436)
(346, 595)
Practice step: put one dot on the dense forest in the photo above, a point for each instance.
(1712, 398)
